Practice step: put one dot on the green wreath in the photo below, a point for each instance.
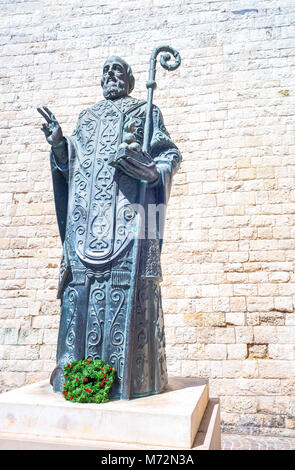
(88, 381)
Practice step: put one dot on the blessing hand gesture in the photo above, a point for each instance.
(52, 129)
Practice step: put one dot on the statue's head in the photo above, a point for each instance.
(117, 79)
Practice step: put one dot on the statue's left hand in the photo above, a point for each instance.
(138, 170)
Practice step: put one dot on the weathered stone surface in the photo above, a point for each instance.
(257, 351)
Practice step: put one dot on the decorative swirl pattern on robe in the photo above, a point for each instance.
(96, 322)
(70, 333)
(116, 333)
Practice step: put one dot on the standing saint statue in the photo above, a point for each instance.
(109, 283)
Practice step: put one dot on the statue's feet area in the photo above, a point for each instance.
(57, 379)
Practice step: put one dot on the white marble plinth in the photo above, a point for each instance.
(34, 414)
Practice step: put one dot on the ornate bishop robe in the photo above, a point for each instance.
(98, 223)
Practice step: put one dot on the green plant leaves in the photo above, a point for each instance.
(88, 381)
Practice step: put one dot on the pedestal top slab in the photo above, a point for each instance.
(170, 418)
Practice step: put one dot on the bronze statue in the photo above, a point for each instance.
(118, 163)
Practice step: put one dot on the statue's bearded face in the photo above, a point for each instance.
(114, 80)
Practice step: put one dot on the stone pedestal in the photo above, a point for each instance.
(183, 417)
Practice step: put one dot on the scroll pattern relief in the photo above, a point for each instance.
(160, 336)
(96, 321)
(141, 376)
(71, 333)
(105, 336)
(103, 219)
(149, 340)
(117, 328)
(66, 349)
(98, 242)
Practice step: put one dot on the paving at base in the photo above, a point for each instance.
(243, 442)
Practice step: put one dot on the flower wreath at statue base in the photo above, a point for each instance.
(88, 381)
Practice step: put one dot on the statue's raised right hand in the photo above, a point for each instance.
(52, 129)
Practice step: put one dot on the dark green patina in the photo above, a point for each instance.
(118, 163)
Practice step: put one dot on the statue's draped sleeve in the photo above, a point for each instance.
(60, 163)
(167, 158)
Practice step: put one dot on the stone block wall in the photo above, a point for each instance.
(229, 253)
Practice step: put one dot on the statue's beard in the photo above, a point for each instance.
(114, 88)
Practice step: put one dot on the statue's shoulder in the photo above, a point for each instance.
(82, 114)
(98, 107)
(131, 101)
(124, 105)
(157, 114)
(128, 104)
(156, 109)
